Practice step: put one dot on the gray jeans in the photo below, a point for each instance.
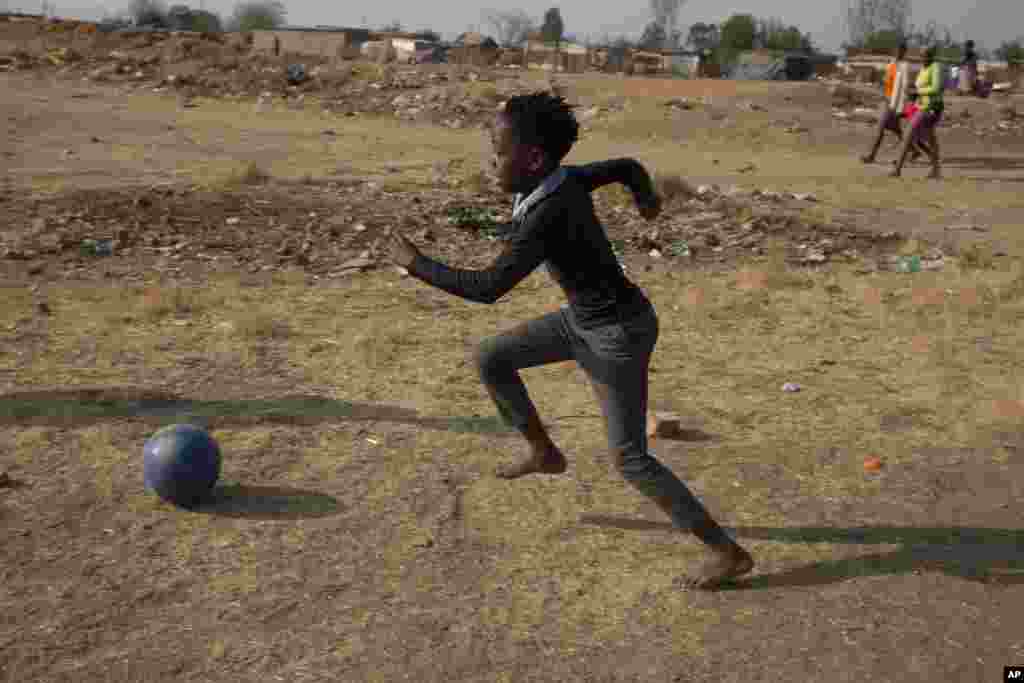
(615, 358)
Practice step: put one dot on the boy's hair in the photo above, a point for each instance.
(545, 120)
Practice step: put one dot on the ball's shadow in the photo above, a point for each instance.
(267, 502)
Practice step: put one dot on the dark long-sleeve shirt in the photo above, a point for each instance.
(563, 231)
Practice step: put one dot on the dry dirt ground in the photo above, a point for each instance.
(358, 533)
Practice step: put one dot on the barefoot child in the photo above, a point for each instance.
(609, 327)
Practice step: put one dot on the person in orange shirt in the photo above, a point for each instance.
(889, 119)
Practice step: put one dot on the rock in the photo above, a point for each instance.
(664, 426)
(358, 263)
(682, 103)
(815, 256)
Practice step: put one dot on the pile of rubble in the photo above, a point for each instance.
(328, 230)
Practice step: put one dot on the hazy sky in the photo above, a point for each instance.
(987, 21)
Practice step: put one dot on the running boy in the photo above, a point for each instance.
(609, 327)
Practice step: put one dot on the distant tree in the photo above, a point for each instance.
(184, 18)
(553, 28)
(552, 31)
(428, 36)
(511, 27)
(206, 22)
(664, 23)
(867, 18)
(882, 41)
(257, 15)
(148, 13)
(737, 35)
(179, 18)
(703, 36)
(773, 34)
(1011, 51)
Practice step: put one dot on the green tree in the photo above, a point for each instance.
(206, 22)
(737, 35)
(1011, 51)
(773, 34)
(257, 15)
(553, 28)
(883, 41)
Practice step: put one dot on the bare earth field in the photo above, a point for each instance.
(358, 533)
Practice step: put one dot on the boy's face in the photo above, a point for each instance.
(518, 167)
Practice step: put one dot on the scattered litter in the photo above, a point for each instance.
(873, 464)
(296, 74)
(680, 249)
(94, 247)
(791, 387)
(908, 264)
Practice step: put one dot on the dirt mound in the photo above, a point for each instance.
(328, 229)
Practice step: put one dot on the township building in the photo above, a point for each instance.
(332, 42)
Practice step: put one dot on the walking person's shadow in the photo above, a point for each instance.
(977, 554)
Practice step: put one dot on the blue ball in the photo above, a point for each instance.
(181, 464)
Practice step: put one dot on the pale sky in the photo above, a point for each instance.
(988, 22)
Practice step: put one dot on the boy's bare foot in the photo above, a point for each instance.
(868, 159)
(935, 174)
(895, 173)
(724, 565)
(552, 462)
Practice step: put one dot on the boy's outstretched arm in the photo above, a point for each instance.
(628, 172)
(520, 257)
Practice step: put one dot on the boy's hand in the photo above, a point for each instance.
(399, 250)
(649, 208)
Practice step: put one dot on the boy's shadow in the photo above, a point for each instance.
(976, 554)
(92, 405)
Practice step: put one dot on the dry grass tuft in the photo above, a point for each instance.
(672, 187)
(249, 174)
(159, 301)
